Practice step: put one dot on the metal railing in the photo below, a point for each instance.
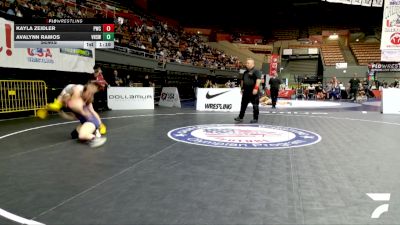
(158, 56)
(22, 95)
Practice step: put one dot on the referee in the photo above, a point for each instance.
(274, 85)
(250, 83)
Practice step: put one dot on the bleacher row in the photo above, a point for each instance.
(332, 54)
(366, 52)
(155, 37)
(286, 34)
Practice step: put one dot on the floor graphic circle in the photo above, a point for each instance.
(244, 136)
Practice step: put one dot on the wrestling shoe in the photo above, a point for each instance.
(238, 119)
(55, 106)
(97, 142)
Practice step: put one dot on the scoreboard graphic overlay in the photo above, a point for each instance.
(64, 33)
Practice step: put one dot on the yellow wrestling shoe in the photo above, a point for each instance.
(103, 129)
(55, 106)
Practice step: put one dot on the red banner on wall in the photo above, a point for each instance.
(224, 37)
(273, 65)
(283, 93)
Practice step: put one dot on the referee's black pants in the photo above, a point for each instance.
(274, 96)
(254, 99)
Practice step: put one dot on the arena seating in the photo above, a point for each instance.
(366, 52)
(139, 31)
(332, 54)
(286, 34)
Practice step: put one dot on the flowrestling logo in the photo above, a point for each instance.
(244, 136)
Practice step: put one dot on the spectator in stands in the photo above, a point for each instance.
(343, 92)
(361, 95)
(175, 44)
(366, 88)
(117, 81)
(335, 82)
(146, 81)
(228, 84)
(3, 7)
(195, 84)
(319, 91)
(210, 84)
(18, 12)
(384, 84)
(311, 92)
(328, 89)
(11, 11)
(378, 85)
(354, 85)
(396, 83)
(128, 81)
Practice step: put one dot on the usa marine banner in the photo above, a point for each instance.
(70, 60)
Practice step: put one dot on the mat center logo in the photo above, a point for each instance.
(244, 136)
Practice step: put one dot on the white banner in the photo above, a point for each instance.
(341, 65)
(313, 51)
(218, 99)
(390, 56)
(390, 101)
(170, 97)
(287, 51)
(390, 39)
(130, 98)
(366, 2)
(377, 3)
(70, 60)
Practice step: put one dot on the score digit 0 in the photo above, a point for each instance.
(108, 36)
(108, 27)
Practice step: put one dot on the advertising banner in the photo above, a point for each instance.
(130, 98)
(218, 99)
(273, 66)
(170, 97)
(384, 67)
(390, 101)
(390, 39)
(390, 55)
